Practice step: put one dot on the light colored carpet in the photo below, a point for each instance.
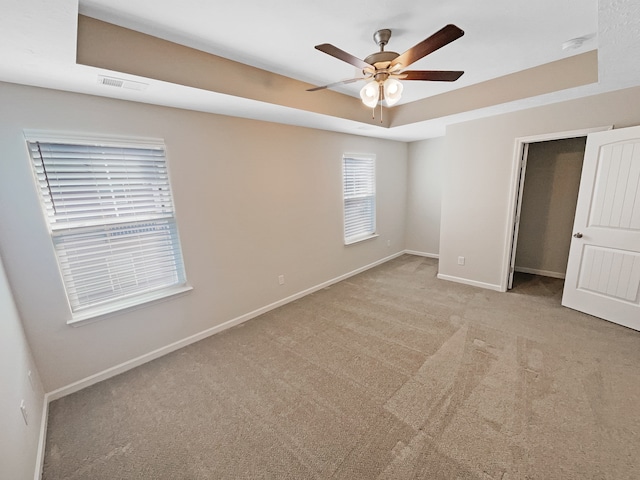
(391, 374)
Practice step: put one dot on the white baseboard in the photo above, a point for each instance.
(544, 273)
(474, 283)
(422, 254)
(147, 357)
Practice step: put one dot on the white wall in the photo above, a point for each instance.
(424, 192)
(253, 200)
(18, 442)
(479, 169)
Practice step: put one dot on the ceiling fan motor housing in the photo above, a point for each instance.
(381, 57)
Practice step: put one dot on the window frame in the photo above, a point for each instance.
(123, 303)
(372, 195)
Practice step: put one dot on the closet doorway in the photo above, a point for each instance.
(549, 199)
(545, 203)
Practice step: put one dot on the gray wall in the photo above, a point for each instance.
(18, 442)
(253, 200)
(477, 200)
(424, 190)
(549, 199)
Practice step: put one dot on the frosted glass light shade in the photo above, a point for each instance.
(370, 94)
(392, 91)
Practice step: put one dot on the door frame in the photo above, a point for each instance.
(516, 187)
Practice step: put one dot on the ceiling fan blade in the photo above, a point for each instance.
(432, 75)
(438, 40)
(342, 55)
(350, 80)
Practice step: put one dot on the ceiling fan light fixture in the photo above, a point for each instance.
(370, 94)
(392, 91)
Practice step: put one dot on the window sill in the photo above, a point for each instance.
(91, 315)
(360, 239)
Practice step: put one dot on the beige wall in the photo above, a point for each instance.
(254, 200)
(477, 201)
(18, 442)
(549, 199)
(424, 190)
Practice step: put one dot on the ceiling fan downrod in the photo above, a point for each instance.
(381, 37)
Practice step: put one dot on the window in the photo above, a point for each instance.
(110, 213)
(359, 175)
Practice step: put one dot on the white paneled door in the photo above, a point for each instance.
(603, 273)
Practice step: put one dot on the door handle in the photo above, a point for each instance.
(577, 235)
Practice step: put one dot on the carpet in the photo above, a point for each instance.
(390, 374)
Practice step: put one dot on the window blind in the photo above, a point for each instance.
(110, 213)
(359, 197)
(94, 185)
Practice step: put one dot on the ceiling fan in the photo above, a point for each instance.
(385, 69)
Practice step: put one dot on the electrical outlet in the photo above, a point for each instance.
(281, 279)
(460, 260)
(388, 243)
(23, 410)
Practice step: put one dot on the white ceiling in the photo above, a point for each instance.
(501, 37)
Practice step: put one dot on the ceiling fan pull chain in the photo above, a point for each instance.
(381, 98)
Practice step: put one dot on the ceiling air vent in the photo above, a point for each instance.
(121, 83)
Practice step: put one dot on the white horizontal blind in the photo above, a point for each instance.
(359, 197)
(95, 185)
(110, 212)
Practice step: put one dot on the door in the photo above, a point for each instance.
(516, 229)
(603, 272)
